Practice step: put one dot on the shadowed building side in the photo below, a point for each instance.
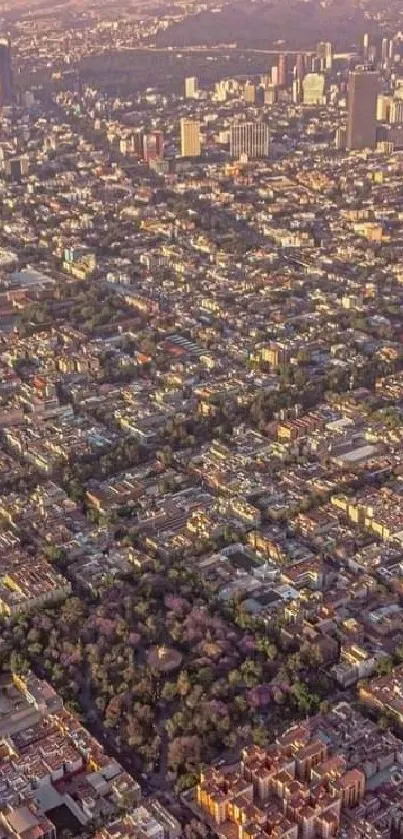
(6, 73)
(362, 104)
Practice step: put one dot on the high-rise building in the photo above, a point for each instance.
(385, 51)
(324, 51)
(271, 95)
(191, 87)
(316, 64)
(6, 73)
(190, 138)
(138, 142)
(274, 75)
(313, 87)
(396, 112)
(297, 91)
(383, 108)
(250, 139)
(17, 168)
(282, 70)
(300, 66)
(153, 146)
(341, 138)
(221, 92)
(249, 93)
(362, 105)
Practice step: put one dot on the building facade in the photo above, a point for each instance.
(362, 109)
(6, 74)
(250, 139)
(190, 138)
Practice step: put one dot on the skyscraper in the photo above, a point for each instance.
(274, 75)
(190, 138)
(396, 112)
(138, 142)
(296, 91)
(341, 138)
(6, 74)
(271, 95)
(313, 87)
(385, 51)
(384, 108)
(250, 139)
(191, 87)
(300, 66)
(153, 146)
(249, 93)
(282, 70)
(324, 51)
(362, 105)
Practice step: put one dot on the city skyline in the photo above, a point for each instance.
(201, 420)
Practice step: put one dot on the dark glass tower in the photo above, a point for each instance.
(6, 73)
(363, 89)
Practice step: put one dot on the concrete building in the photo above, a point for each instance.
(324, 52)
(6, 73)
(250, 139)
(283, 70)
(396, 112)
(190, 138)
(191, 87)
(249, 93)
(153, 146)
(362, 106)
(313, 87)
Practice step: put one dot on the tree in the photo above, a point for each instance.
(384, 666)
(169, 691)
(185, 752)
(304, 700)
(184, 684)
(73, 612)
(187, 781)
(260, 735)
(18, 663)
(251, 672)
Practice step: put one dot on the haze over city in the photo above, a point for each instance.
(201, 419)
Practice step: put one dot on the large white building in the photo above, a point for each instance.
(250, 139)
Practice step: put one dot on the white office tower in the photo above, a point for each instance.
(191, 87)
(250, 139)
